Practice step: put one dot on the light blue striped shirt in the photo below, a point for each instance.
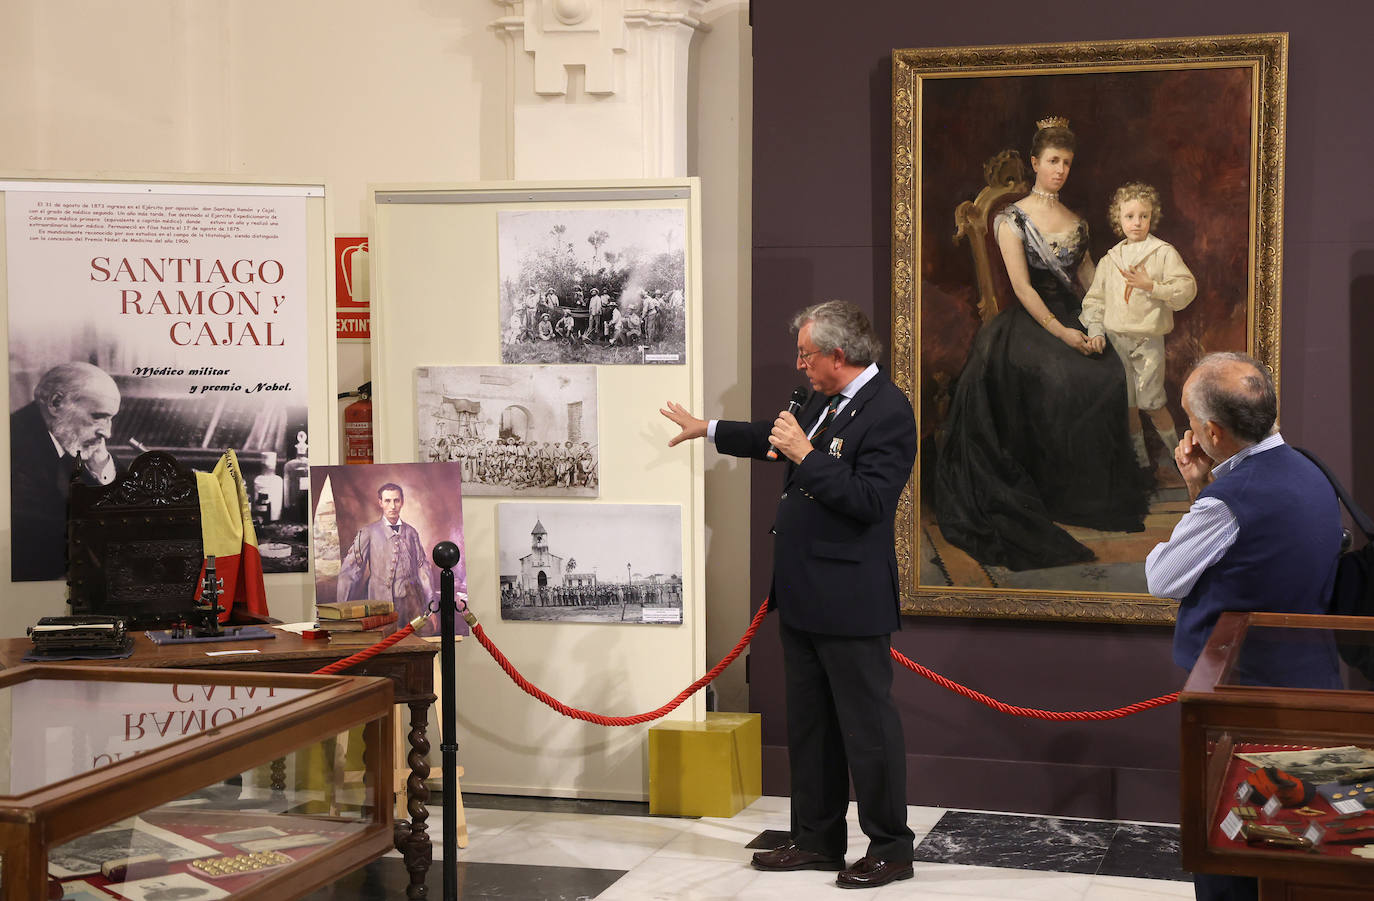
(1202, 536)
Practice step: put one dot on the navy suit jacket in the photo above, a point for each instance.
(834, 562)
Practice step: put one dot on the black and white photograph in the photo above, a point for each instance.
(514, 431)
(1317, 764)
(82, 891)
(601, 286)
(175, 323)
(83, 855)
(603, 563)
(172, 887)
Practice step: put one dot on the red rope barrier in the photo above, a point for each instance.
(1031, 712)
(587, 716)
(339, 666)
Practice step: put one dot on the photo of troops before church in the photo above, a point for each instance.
(514, 431)
(604, 563)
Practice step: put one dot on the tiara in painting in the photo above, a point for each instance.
(1051, 122)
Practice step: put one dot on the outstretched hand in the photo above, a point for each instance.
(690, 425)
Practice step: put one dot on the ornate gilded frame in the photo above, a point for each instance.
(917, 71)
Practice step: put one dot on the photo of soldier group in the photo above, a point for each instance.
(527, 430)
(516, 464)
(593, 286)
(619, 563)
(589, 594)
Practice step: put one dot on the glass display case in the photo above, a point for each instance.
(180, 785)
(1278, 755)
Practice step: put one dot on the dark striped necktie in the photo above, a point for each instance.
(829, 417)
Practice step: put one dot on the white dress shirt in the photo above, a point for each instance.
(847, 392)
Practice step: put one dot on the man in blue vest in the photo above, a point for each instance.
(1263, 534)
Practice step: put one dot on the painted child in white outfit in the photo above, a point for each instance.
(1138, 286)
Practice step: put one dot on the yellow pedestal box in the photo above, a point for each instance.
(710, 769)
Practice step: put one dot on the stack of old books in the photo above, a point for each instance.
(356, 622)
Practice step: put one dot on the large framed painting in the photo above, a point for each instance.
(1074, 226)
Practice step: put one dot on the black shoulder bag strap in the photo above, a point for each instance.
(1357, 514)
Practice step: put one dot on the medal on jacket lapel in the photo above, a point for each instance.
(836, 447)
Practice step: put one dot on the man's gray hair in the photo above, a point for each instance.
(69, 378)
(839, 324)
(1246, 406)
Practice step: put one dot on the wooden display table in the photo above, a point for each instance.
(1308, 749)
(408, 664)
(109, 763)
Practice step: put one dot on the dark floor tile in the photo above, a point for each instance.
(386, 880)
(1022, 843)
(1144, 852)
(769, 839)
(554, 805)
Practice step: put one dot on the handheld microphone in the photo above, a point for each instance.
(794, 407)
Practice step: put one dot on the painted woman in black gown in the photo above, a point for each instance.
(1036, 433)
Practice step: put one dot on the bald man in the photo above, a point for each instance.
(1263, 534)
(60, 434)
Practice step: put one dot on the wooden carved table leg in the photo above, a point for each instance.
(278, 771)
(412, 839)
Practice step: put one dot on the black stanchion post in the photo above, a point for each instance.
(446, 554)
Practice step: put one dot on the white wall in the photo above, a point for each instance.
(352, 93)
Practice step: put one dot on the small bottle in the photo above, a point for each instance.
(267, 487)
(296, 475)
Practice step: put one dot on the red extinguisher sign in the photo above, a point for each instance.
(352, 289)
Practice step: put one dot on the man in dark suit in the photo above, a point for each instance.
(60, 434)
(848, 453)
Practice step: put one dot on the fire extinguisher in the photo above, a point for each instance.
(358, 425)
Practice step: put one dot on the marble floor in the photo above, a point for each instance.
(539, 849)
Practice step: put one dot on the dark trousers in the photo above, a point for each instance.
(842, 723)
(1212, 887)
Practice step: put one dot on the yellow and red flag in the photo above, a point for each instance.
(226, 526)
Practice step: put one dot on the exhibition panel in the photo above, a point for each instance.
(529, 332)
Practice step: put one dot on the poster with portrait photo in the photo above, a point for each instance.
(593, 286)
(515, 431)
(147, 321)
(373, 532)
(603, 563)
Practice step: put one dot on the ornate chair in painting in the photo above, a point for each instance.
(1006, 181)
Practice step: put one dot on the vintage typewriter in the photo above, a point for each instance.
(63, 636)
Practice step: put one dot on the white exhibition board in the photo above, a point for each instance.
(435, 303)
(149, 252)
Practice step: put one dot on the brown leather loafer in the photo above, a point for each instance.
(790, 857)
(870, 872)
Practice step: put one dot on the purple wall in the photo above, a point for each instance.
(822, 88)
